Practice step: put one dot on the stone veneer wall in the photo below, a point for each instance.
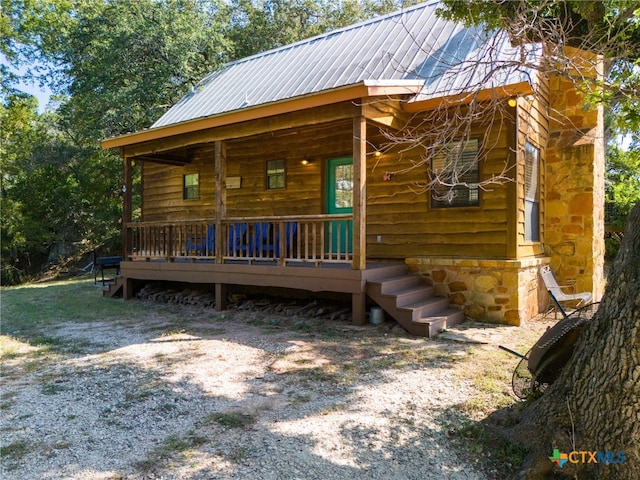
(497, 291)
(574, 210)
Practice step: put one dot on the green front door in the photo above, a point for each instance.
(340, 201)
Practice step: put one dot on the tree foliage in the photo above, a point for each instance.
(56, 194)
(623, 183)
(119, 63)
(115, 66)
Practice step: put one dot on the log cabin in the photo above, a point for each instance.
(413, 162)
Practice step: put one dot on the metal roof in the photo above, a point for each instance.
(410, 45)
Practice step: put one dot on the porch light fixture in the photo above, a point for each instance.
(305, 161)
(512, 102)
(377, 153)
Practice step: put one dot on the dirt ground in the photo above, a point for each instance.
(179, 392)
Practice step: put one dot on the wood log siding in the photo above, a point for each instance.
(246, 158)
(304, 190)
(533, 127)
(408, 226)
(404, 220)
(162, 189)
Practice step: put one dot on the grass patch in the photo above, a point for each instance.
(491, 377)
(53, 388)
(175, 444)
(502, 457)
(333, 408)
(295, 397)
(15, 451)
(303, 327)
(237, 455)
(230, 419)
(29, 310)
(171, 447)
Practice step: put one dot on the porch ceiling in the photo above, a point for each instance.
(179, 157)
(330, 99)
(176, 149)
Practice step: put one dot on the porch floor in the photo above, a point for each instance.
(326, 276)
(308, 276)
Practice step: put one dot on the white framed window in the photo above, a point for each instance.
(531, 193)
(456, 168)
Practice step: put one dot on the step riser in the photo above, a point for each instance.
(419, 295)
(383, 273)
(397, 285)
(432, 310)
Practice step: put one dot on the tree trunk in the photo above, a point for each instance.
(594, 406)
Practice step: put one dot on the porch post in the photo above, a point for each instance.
(359, 308)
(221, 213)
(221, 197)
(127, 195)
(359, 261)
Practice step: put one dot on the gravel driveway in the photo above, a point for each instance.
(233, 395)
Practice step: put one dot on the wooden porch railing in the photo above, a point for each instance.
(283, 239)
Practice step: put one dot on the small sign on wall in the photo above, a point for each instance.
(233, 182)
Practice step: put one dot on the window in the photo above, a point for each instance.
(458, 173)
(191, 189)
(275, 174)
(343, 186)
(531, 193)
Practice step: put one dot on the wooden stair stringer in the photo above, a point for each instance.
(115, 288)
(413, 304)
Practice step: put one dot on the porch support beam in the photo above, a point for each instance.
(359, 308)
(359, 191)
(221, 296)
(127, 204)
(220, 162)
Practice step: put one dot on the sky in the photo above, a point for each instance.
(42, 94)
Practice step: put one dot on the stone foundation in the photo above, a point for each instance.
(497, 291)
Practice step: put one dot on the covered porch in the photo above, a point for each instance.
(315, 253)
(306, 252)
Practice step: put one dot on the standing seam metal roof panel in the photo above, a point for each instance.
(410, 44)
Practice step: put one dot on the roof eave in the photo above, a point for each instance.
(505, 91)
(365, 88)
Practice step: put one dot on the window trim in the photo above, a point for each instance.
(436, 204)
(532, 235)
(276, 174)
(186, 189)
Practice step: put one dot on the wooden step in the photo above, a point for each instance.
(403, 282)
(446, 319)
(428, 307)
(114, 288)
(413, 296)
(411, 303)
(384, 272)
